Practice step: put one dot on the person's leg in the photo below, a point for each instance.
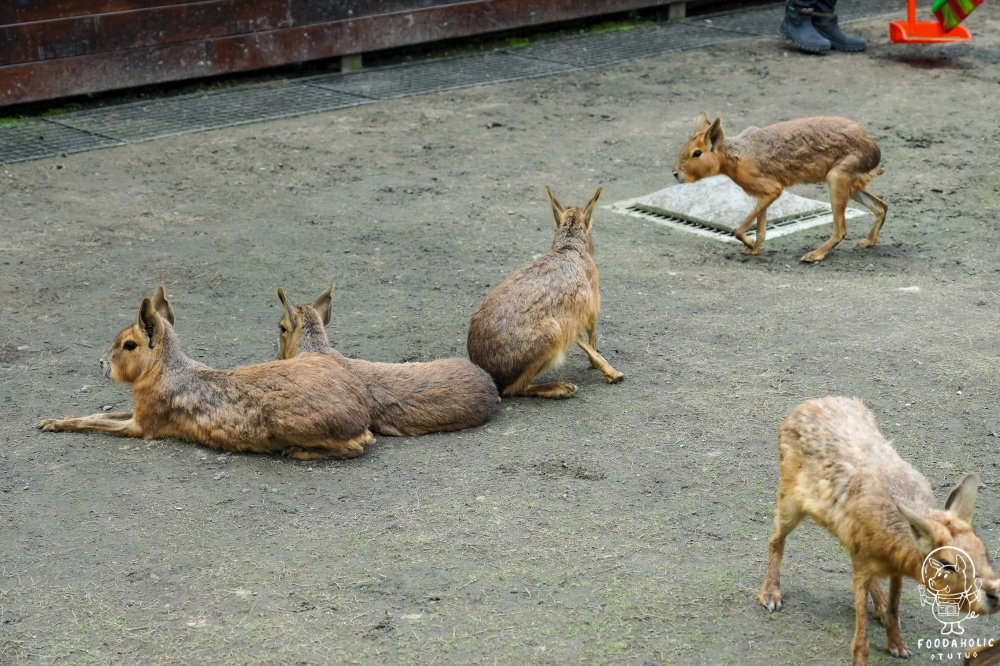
(825, 21)
(798, 26)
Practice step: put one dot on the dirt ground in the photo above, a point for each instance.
(625, 526)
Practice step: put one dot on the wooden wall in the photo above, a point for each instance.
(59, 48)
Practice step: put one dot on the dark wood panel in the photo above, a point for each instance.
(50, 79)
(65, 38)
(24, 11)
(407, 28)
(321, 11)
(97, 33)
(63, 77)
(312, 11)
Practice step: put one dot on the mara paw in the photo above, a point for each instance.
(898, 649)
(552, 390)
(770, 599)
(863, 244)
(615, 378)
(560, 391)
(342, 453)
(51, 425)
(813, 257)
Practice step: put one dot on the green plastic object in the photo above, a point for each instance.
(950, 13)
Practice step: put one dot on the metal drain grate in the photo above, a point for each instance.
(764, 22)
(34, 139)
(621, 46)
(437, 75)
(714, 207)
(752, 23)
(782, 228)
(859, 10)
(157, 119)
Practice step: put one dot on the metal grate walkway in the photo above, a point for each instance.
(37, 138)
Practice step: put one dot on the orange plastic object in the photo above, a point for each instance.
(912, 31)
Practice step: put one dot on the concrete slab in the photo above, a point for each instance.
(716, 206)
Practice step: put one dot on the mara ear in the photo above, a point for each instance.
(714, 135)
(921, 530)
(588, 211)
(289, 311)
(557, 208)
(323, 306)
(962, 498)
(701, 123)
(162, 305)
(150, 321)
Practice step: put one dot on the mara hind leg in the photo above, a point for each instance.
(522, 386)
(876, 206)
(787, 516)
(839, 184)
(319, 449)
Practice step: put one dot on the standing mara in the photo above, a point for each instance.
(766, 160)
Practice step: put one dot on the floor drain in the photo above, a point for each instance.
(714, 207)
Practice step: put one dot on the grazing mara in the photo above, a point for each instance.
(838, 469)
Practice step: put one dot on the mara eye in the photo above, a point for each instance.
(696, 153)
(130, 345)
(282, 328)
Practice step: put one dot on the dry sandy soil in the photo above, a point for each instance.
(625, 526)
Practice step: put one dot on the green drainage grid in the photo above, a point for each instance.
(37, 138)
(156, 119)
(438, 75)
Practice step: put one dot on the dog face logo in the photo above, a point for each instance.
(950, 587)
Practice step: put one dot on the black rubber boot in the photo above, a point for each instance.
(825, 21)
(798, 27)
